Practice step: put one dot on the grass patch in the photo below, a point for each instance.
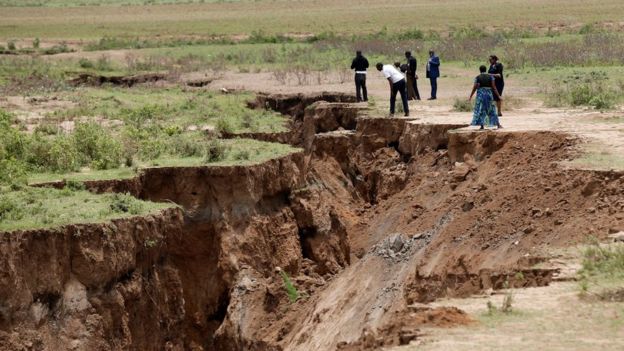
(599, 158)
(462, 105)
(602, 273)
(34, 208)
(172, 109)
(584, 89)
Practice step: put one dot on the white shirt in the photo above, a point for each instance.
(389, 71)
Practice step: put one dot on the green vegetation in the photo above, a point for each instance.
(602, 273)
(148, 127)
(171, 111)
(462, 105)
(291, 291)
(215, 152)
(584, 89)
(280, 16)
(33, 208)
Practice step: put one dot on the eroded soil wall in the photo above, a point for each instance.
(373, 215)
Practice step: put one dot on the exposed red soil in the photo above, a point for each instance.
(368, 220)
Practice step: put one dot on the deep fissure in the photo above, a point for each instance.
(366, 220)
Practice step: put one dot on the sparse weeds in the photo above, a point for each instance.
(583, 89)
(602, 273)
(462, 105)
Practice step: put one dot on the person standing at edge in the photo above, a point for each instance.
(397, 85)
(360, 65)
(412, 86)
(496, 71)
(433, 72)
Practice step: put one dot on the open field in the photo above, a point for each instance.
(198, 175)
(276, 17)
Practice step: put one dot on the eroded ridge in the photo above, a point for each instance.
(372, 218)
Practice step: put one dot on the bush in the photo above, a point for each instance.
(583, 89)
(85, 63)
(97, 146)
(11, 46)
(182, 145)
(63, 156)
(461, 105)
(12, 172)
(242, 155)
(215, 151)
(224, 126)
(124, 203)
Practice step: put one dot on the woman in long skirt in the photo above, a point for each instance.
(485, 109)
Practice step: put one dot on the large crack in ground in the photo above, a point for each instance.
(372, 218)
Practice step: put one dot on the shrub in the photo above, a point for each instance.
(124, 203)
(85, 63)
(242, 155)
(97, 146)
(182, 145)
(12, 172)
(215, 151)
(583, 89)
(461, 105)
(63, 155)
(224, 126)
(11, 45)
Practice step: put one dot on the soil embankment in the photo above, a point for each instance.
(373, 217)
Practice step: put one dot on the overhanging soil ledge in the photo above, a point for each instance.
(374, 216)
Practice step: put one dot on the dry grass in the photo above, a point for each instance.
(306, 17)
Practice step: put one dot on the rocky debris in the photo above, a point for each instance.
(396, 247)
(617, 237)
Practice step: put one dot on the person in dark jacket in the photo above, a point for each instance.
(433, 73)
(360, 65)
(412, 86)
(496, 71)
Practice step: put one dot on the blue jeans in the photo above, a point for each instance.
(401, 88)
(434, 87)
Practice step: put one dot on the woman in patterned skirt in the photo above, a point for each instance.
(484, 109)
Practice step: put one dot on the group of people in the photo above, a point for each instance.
(402, 79)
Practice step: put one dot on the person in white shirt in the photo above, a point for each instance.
(397, 85)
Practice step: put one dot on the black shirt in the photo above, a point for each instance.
(497, 68)
(484, 80)
(360, 63)
(411, 61)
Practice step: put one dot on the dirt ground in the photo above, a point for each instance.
(552, 318)
(527, 112)
(388, 227)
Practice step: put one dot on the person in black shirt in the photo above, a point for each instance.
(360, 64)
(412, 87)
(496, 71)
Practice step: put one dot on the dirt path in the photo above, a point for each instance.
(548, 318)
(603, 132)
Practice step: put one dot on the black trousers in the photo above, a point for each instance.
(401, 88)
(434, 87)
(360, 84)
(415, 85)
